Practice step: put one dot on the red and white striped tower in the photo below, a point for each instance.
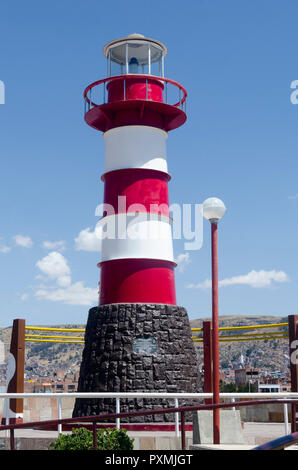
(137, 339)
(135, 117)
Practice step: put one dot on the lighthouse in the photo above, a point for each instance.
(137, 338)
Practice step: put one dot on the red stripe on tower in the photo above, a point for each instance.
(137, 264)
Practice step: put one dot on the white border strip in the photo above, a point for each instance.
(280, 395)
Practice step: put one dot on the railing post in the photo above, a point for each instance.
(6, 419)
(95, 445)
(233, 401)
(176, 418)
(12, 439)
(59, 415)
(293, 346)
(286, 419)
(15, 373)
(183, 438)
(207, 350)
(118, 411)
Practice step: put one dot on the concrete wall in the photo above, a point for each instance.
(42, 409)
(140, 443)
(23, 443)
(272, 413)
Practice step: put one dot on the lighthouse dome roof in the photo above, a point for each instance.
(134, 37)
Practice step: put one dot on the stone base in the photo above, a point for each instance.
(137, 348)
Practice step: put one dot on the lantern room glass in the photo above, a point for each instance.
(135, 57)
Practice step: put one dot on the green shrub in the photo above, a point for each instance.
(82, 439)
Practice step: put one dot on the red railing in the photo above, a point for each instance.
(94, 420)
(90, 90)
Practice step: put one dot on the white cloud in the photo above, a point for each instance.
(254, 279)
(293, 197)
(4, 248)
(55, 267)
(87, 241)
(24, 297)
(75, 294)
(59, 245)
(202, 285)
(20, 240)
(182, 261)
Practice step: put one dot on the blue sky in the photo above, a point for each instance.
(237, 60)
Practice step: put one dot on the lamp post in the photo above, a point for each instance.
(213, 210)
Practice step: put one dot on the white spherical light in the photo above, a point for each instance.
(213, 208)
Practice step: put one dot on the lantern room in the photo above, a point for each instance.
(135, 54)
(135, 90)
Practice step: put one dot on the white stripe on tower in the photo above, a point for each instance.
(136, 147)
(137, 236)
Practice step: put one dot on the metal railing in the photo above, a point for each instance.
(117, 416)
(282, 398)
(98, 89)
(280, 443)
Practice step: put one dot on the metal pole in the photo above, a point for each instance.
(176, 419)
(7, 420)
(293, 343)
(215, 332)
(233, 401)
(149, 59)
(12, 439)
(118, 411)
(59, 415)
(183, 439)
(286, 419)
(207, 348)
(126, 58)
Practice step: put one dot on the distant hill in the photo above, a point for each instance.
(268, 355)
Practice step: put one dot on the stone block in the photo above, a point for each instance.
(230, 427)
